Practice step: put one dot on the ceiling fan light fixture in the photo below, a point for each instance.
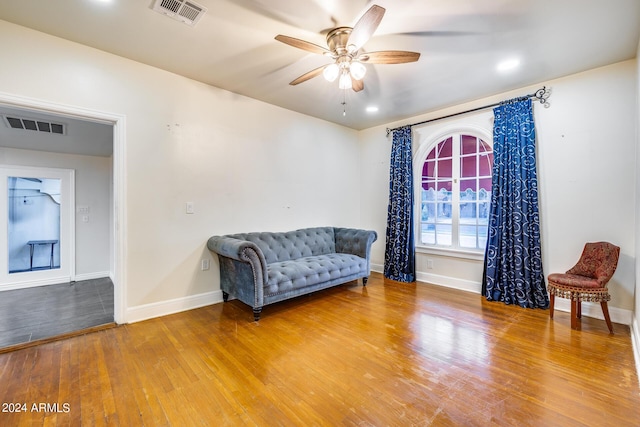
(358, 70)
(345, 80)
(331, 72)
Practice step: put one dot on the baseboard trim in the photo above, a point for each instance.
(34, 283)
(92, 276)
(635, 343)
(53, 281)
(590, 309)
(450, 282)
(163, 308)
(618, 315)
(436, 279)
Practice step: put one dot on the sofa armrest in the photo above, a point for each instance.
(243, 251)
(355, 241)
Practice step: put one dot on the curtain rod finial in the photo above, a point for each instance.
(542, 95)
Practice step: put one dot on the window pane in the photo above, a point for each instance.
(485, 184)
(443, 214)
(444, 187)
(33, 224)
(467, 196)
(486, 163)
(468, 236)
(468, 166)
(432, 154)
(445, 148)
(430, 193)
(428, 234)
(468, 184)
(484, 146)
(482, 238)
(428, 213)
(429, 169)
(468, 144)
(445, 168)
(468, 213)
(483, 213)
(443, 234)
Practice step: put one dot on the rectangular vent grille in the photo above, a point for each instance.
(36, 125)
(184, 11)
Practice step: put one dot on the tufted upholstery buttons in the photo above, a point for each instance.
(279, 247)
(263, 268)
(308, 271)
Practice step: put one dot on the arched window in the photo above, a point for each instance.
(455, 193)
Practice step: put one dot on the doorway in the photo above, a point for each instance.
(38, 234)
(116, 258)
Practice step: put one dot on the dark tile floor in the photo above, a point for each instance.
(42, 312)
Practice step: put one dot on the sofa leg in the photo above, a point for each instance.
(364, 281)
(256, 313)
(225, 296)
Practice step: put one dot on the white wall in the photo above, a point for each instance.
(587, 150)
(93, 178)
(246, 165)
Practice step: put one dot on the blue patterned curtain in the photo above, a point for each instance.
(399, 256)
(513, 262)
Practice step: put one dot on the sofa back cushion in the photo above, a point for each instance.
(278, 247)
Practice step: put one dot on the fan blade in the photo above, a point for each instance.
(389, 57)
(309, 75)
(357, 85)
(301, 44)
(365, 27)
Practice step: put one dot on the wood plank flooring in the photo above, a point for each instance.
(40, 313)
(389, 354)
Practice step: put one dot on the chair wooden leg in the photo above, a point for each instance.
(579, 311)
(552, 301)
(605, 311)
(574, 314)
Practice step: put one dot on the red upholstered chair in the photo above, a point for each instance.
(587, 280)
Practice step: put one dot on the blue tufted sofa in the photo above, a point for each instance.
(267, 267)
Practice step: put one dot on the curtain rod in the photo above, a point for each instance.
(541, 95)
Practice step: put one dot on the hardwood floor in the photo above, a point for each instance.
(34, 314)
(389, 354)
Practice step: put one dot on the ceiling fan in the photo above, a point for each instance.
(344, 47)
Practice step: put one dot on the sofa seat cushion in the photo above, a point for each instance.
(308, 271)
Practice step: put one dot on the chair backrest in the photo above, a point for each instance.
(599, 260)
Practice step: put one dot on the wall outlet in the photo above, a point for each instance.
(430, 264)
(204, 265)
(189, 208)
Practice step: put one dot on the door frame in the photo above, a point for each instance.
(67, 269)
(118, 121)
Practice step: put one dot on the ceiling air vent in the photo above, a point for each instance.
(184, 11)
(36, 125)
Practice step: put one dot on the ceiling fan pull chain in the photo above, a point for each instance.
(344, 103)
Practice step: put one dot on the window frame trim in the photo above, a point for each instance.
(425, 145)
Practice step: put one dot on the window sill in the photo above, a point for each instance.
(451, 252)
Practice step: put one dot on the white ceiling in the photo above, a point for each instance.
(460, 41)
(80, 136)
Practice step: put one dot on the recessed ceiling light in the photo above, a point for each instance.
(372, 109)
(508, 65)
